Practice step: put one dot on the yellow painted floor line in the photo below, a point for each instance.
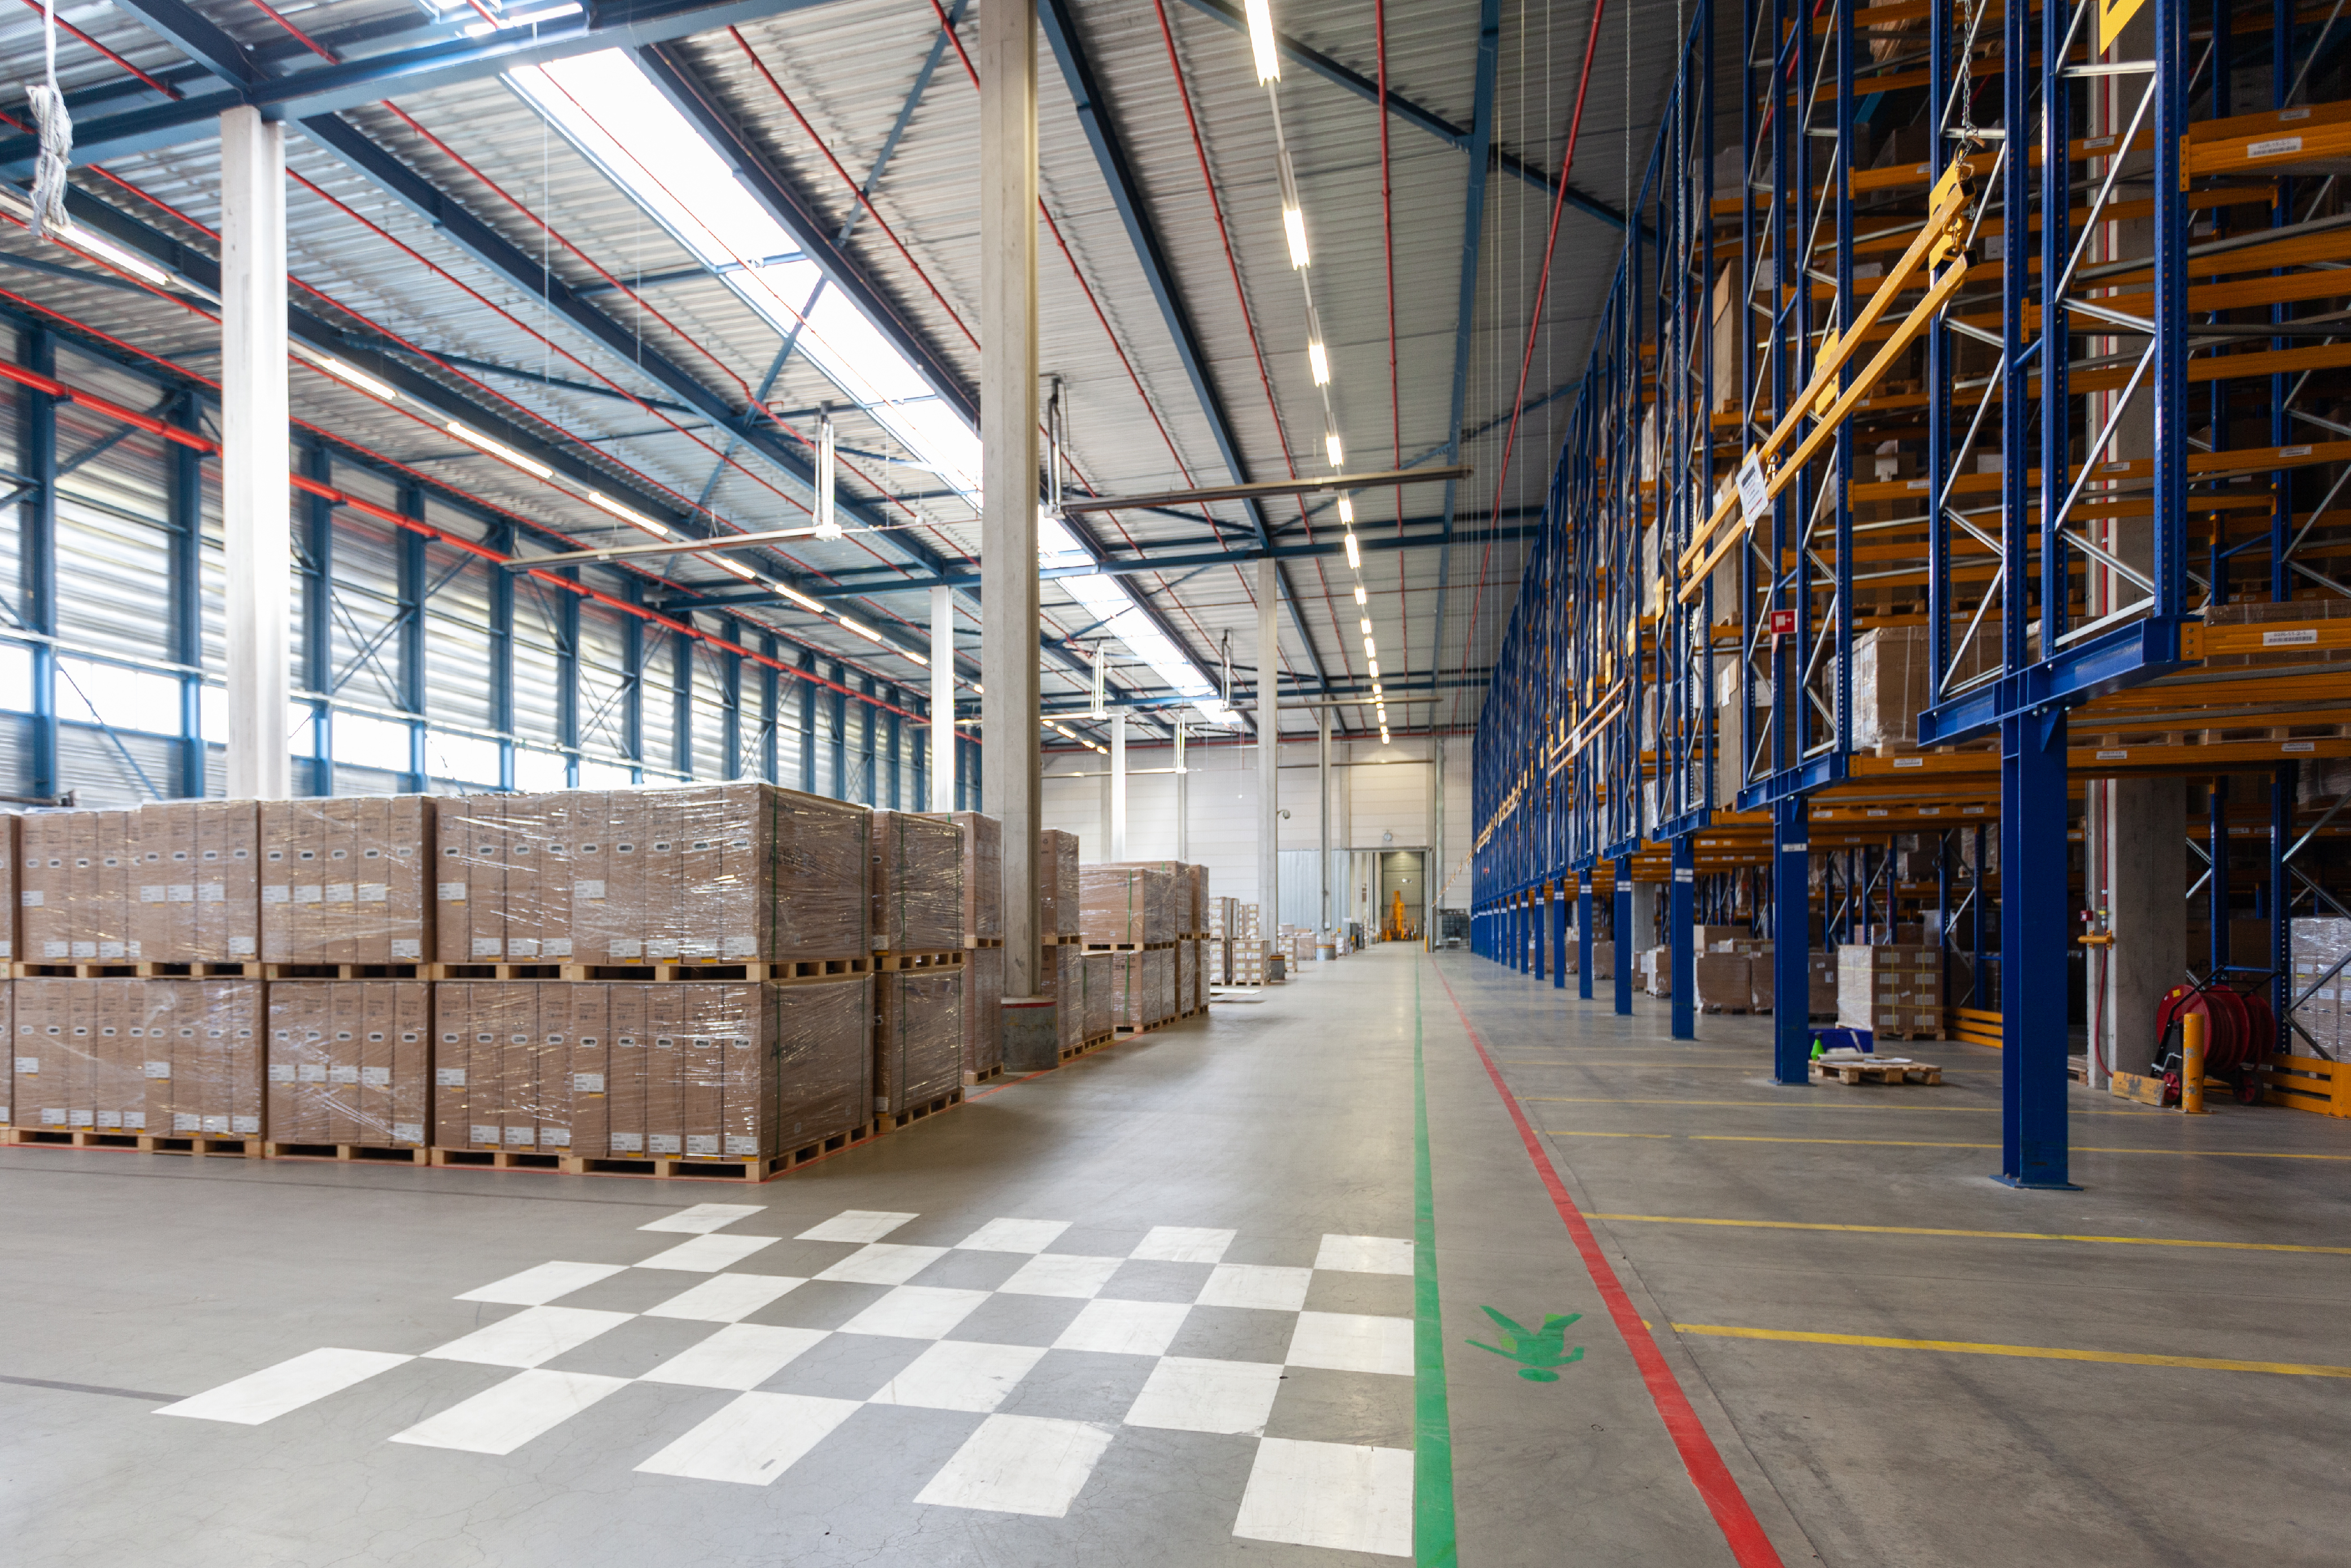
(2030, 1352)
(1988, 1235)
(1579, 1131)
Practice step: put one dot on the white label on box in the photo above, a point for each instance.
(695, 948)
(30, 898)
(519, 1138)
(449, 1077)
(661, 949)
(114, 951)
(556, 946)
(109, 1119)
(588, 888)
(450, 892)
(628, 1143)
(484, 1133)
(407, 948)
(587, 1083)
(55, 949)
(281, 1072)
(183, 1121)
(180, 893)
(375, 892)
(275, 893)
(53, 1118)
(246, 1127)
(701, 1145)
(523, 947)
(215, 1124)
(311, 1072)
(308, 893)
(84, 950)
(135, 1121)
(555, 1137)
(159, 1069)
(487, 946)
(338, 892)
(622, 951)
(211, 893)
(342, 1074)
(1754, 489)
(242, 946)
(7, 949)
(736, 1144)
(2289, 637)
(150, 892)
(740, 947)
(665, 1143)
(28, 1064)
(408, 1132)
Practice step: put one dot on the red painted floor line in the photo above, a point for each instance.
(1703, 1462)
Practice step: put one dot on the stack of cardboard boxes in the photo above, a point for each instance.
(1894, 989)
(2320, 995)
(345, 880)
(172, 1058)
(916, 881)
(981, 923)
(350, 1062)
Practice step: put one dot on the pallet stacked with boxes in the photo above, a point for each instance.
(1894, 988)
(916, 877)
(981, 922)
(1063, 971)
(1132, 914)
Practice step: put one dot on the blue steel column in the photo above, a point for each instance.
(1559, 939)
(1539, 927)
(1624, 935)
(771, 714)
(1792, 931)
(2032, 941)
(410, 548)
(681, 712)
(567, 680)
(730, 698)
(500, 536)
(1583, 934)
(2283, 785)
(38, 556)
(1678, 933)
(808, 690)
(633, 685)
(187, 511)
(317, 613)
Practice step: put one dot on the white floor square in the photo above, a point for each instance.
(1184, 1245)
(740, 1356)
(915, 1312)
(1014, 1236)
(1189, 1395)
(1340, 1495)
(961, 1375)
(1061, 1274)
(538, 1286)
(265, 1395)
(856, 1225)
(532, 1335)
(1257, 1285)
(708, 1254)
(726, 1298)
(882, 1263)
(1019, 1464)
(501, 1419)
(1364, 1255)
(1124, 1328)
(753, 1440)
(703, 1217)
(1353, 1342)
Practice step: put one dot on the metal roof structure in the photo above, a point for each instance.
(450, 241)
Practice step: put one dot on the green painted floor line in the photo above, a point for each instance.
(1432, 1421)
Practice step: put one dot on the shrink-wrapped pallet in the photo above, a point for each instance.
(350, 1062)
(163, 1057)
(1058, 896)
(734, 873)
(1896, 991)
(917, 1037)
(1722, 982)
(8, 1058)
(1101, 993)
(1063, 978)
(684, 1070)
(73, 886)
(983, 1010)
(982, 917)
(1126, 906)
(195, 884)
(916, 881)
(348, 879)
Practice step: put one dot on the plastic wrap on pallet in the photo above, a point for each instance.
(8, 1060)
(1101, 993)
(917, 882)
(1127, 905)
(1067, 960)
(708, 873)
(1058, 895)
(1896, 991)
(1160, 965)
(350, 1062)
(2319, 997)
(74, 891)
(11, 844)
(1167, 897)
(917, 1037)
(1130, 990)
(1187, 975)
(982, 877)
(165, 1058)
(689, 1070)
(196, 888)
(347, 879)
(983, 1010)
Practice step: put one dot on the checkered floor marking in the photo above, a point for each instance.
(889, 1298)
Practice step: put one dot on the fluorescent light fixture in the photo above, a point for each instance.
(802, 599)
(1318, 360)
(1371, 648)
(1346, 511)
(910, 653)
(1293, 225)
(1260, 32)
(1359, 593)
(329, 365)
(520, 19)
(97, 247)
(1375, 669)
(828, 526)
(1383, 735)
(734, 569)
(976, 685)
(1354, 552)
(1376, 688)
(1062, 730)
(1364, 624)
(860, 629)
(1111, 602)
(629, 514)
(1337, 453)
(498, 450)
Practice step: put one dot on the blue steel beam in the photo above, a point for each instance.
(1059, 22)
(328, 89)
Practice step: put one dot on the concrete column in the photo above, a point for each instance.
(943, 762)
(1118, 786)
(2139, 873)
(1322, 812)
(1009, 765)
(255, 465)
(1268, 748)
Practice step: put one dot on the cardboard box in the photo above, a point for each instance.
(917, 1038)
(340, 880)
(1126, 906)
(916, 882)
(1057, 898)
(11, 851)
(982, 917)
(1894, 989)
(1102, 982)
(983, 1008)
(1065, 965)
(348, 1061)
(1722, 982)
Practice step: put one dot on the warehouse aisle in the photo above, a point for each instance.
(1159, 1307)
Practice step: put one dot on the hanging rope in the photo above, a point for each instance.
(57, 133)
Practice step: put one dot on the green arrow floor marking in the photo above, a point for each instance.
(1538, 1354)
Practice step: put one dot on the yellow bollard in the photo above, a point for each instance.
(2191, 1069)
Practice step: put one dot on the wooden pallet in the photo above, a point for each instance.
(124, 970)
(905, 963)
(497, 1158)
(490, 972)
(402, 970)
(139, 1143)
(1071, 1053)
(670, 1167)
(996, 943)
(1127, 947)
(766, 972)
(348, 1153)
(1846, 1072)
(974, 1080)
(896, 1120)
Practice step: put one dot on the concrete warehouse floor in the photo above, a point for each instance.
(1206, 1352)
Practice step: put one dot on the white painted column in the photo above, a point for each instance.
(1269, 751)
(1183, 798)
(1010, 757)
(1117, 786)
(1323, 811)
(254, 466)
(943, 759)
